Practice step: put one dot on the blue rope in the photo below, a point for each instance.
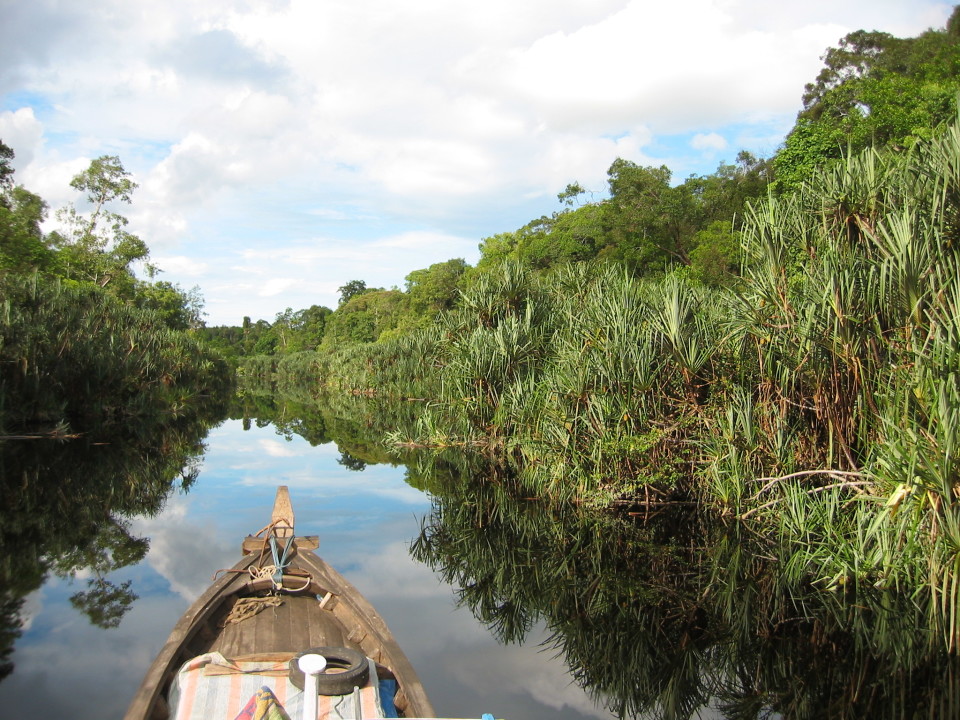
(282, 561)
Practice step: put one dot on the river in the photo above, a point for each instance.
(367, 519)
(505, 604)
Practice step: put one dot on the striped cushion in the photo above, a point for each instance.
(211, 687)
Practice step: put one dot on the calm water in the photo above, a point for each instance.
(504, 603)
(66, 667)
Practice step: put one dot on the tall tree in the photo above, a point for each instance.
(366, 316)
(309, 326)
(180, 309)
(6, 166)
(651, 223)
(434, 289)
(95, 246)
(22, 245)
(874, 88)
(350, 289)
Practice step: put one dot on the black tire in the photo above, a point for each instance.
(349, 668)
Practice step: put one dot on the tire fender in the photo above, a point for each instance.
(346, 669)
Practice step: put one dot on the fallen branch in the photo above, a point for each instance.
(49, 435)
(812, 491)
(771, 481)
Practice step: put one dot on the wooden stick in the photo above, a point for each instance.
(812, 491)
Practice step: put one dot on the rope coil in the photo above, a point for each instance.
(270, 572)
(247, 607)
(274, 559)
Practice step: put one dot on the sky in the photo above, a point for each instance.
(285, 147)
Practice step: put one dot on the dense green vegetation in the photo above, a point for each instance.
(777, 342)
(83, 341)
(660, 618)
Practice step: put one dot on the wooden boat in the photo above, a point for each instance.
(306, 605)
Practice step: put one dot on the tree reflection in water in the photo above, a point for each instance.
(658, 615)
(67, 504)
(665, 614)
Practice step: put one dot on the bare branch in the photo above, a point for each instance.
(812, 491)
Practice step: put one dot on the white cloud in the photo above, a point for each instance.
(708, 142)
(419, 240)
(195, 170)
(275, 286)
(393, 572)
(585, 158)
(51, 180)
(528, 670)
(302, 132)
(181, 265)
(181, 551)
(320, 249)
(676, 65)
(22, 132)
(328, 214)
(31, 608)
(426, 166)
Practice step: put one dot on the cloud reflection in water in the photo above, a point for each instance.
(366, 521)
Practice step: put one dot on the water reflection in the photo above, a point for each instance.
(665, 616)
(366, 521)
(671, 614)
(67, 508)
(358, 425)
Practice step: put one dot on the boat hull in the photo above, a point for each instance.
(318, 607)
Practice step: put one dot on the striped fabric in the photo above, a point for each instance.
(210, 687)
